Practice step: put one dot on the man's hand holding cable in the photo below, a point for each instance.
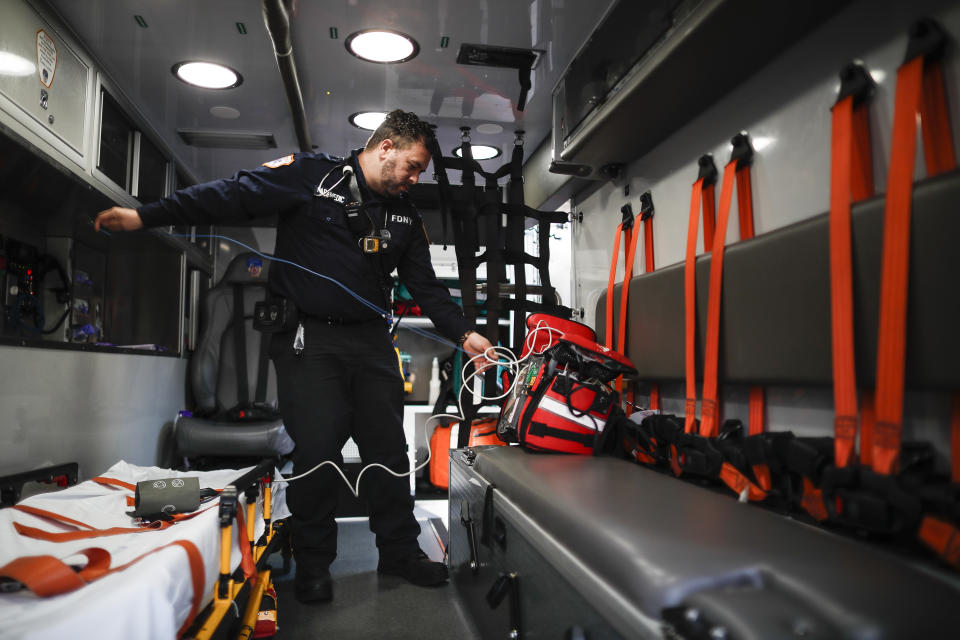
(118, 219)
(474, 344)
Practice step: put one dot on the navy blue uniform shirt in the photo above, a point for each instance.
(312, 231)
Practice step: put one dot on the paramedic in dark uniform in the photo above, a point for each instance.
(337, 372)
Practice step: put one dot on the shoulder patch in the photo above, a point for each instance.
(279, 162)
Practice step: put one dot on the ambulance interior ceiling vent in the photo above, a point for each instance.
(228, 139)
(484, 55)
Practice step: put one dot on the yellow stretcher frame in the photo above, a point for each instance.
(227, 589)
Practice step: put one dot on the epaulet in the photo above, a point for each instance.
(330, 158)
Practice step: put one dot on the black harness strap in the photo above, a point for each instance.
(466, 243)
(443, 182)
(541, 430)
(515, 230)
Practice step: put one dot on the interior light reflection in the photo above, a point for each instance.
(13, 65)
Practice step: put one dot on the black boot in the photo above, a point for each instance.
(313, 585)
(416, 568)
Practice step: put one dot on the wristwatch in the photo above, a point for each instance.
(464, 337)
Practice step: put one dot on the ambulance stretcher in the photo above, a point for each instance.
(155, 596)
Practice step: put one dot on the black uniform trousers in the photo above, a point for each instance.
(346, 382)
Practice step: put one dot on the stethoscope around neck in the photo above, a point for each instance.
(371, 239)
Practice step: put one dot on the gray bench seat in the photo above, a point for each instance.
(661, 542)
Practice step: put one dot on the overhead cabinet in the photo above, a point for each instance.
(44, 82)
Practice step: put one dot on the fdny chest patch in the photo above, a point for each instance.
(401, 219)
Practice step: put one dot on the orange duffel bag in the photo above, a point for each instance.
(483, 431)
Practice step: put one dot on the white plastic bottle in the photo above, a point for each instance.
(434, 383)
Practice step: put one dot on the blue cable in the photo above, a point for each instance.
(355, 295)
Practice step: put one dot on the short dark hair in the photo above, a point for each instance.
(403, 128)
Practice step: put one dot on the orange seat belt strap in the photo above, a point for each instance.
(851, 178)
(710, 412)
(608, 339)
(868, 423)
(646, 212)
(942, 537)
(755, 425)
(915, 93)
(646, 215)
(625, 289)
(702, 193)
(627, 229)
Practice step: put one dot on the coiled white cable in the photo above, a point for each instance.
(509, 361)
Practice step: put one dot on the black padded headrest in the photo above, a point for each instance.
(246, 268)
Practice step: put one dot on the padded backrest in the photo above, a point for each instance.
(775, 318)
(213, 366)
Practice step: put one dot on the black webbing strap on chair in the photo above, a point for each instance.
(240, 347)
(263, 370)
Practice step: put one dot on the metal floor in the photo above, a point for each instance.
(367, 605)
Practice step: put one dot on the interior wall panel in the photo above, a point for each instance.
(785, 107)
(92, 408)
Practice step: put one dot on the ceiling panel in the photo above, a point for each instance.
(335, 84)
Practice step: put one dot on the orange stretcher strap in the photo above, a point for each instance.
(919, 90)
(113, 482)
(851, 177)
(246, 552)
(48, 576)
(83, 531)
(702, 193)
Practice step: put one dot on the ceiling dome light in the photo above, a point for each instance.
(13, 65)
(207, 75)
(382, 45)
(368, 120)
(480, 152)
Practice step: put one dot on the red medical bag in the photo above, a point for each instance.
(562, 398)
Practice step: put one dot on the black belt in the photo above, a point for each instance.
(339, 320)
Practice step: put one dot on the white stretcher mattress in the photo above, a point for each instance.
(150, 599)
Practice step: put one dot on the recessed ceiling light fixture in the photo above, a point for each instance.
(368, 120)
(480, 152)
(207, 75)
(382, 45)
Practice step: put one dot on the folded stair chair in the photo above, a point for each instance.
(234, 383)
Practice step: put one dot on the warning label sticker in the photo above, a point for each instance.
(46, 58)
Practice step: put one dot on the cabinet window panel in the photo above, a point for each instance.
(153, 172)
(115, 137)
